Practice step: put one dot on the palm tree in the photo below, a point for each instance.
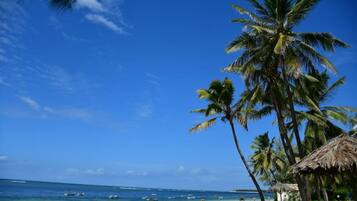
(270, 35)
(269, 160)
(275, 21)
(220, 98)
(320, 119)
(264, 159)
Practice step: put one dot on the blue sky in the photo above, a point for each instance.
(102, 94)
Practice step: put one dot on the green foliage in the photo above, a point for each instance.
(269, 161)
(269, 46)
(219, 96)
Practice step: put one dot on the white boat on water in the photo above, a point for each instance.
(18, 181)
(191, 197)
(69, 194)
(72, 194)
(113, 197)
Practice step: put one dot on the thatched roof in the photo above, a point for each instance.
(338, 155)
(280, 187)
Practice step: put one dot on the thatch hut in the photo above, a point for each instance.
(337, 157)
(285, 191)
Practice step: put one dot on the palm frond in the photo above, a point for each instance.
(329, 91)
(310, 52)
(199, 111)
(251, 15)
(203, 125)
(259, 8)
(325, 40)
(300, 10)
(318, 119)
(203, 94)
(242, 41)
(63, 4)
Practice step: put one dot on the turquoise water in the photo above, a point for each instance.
(11, 190)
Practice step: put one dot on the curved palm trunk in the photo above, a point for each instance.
(245, 162)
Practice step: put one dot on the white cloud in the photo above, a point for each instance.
(58, 77)
(152, 79)
(104, 12)
(3, 158)
(72, 113)
(136, 173)
(92, 5)
(59, 28)
(196, 171)
(145, 110)
(13, 19)
(99, 19)
(30, 102)
(152, 76)
(98, 171)
(3, 82)
(95, 172)
(180, 168)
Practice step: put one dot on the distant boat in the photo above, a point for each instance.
(220, 197)
(72, 194)
(69, 194)
(151, 199)
(113, 197)
(128, 188)
(18, 181)
(191, 197)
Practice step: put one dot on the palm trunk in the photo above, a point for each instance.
(244, 161)
(273, 174)
(324, 194)
(287, 145)
(354, 186)
(292, 110)
(322, 188)
(283, 132)
(295, 125)
(318, 188)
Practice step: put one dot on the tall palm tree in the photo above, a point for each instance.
(260, 75)
(220, 106)
(270, 34)
(275, 20)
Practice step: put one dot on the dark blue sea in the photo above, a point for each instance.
(13, 190)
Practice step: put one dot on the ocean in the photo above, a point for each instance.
(15, 190)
